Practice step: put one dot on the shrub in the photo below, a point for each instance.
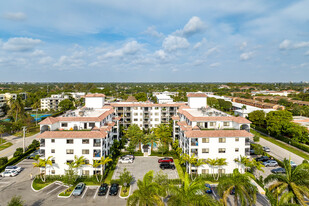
(256, 138)
(19, 152)
(3, 160)
(117, 181)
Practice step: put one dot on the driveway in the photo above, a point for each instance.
(141, 166)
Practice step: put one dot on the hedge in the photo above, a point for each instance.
(15, 160)
(135, 153)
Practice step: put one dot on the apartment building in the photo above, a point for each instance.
(89, 131)
(51, 103)
(210, 133)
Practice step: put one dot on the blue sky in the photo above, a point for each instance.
(157, 41)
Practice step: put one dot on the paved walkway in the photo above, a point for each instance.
(17, 142)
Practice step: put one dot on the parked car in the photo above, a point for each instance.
(233, 191)
(126, 160)
(9, 173)
(129, 156)
(80, 187)
(167, 165)
(103, 189)
(266, 149)
(278, 170)
(114, 189)
(262, 159)
(165, 159)
(293, 164)
(208, 189)
(252, 152)
(270, 163)
(13, 167)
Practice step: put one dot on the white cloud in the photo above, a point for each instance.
(199, 44)
(21, 44)
(307, 53)
(243, 45)
(129, 48)
(194, 25)
(301, 44)
(215, 64)
(67, 62)
(246, 56)
(153, 32)
(172, 43)
(45, 60)
(211, 51)
(161, 54)
(285, 44)
(15, 16)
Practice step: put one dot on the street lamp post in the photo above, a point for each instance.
(24, 134)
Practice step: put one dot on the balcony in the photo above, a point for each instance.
(42, 143)
(97, 153)
(96, 142)
(195, 152)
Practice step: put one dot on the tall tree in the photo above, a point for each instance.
(164, 133)
(257, 117)
(147, 192)
(212, 164)
(294, 185)
(2, 130)
(17, 110)
(245, 191)
(221, 162)
(78, 162)
(152, 138)
(134, 133)
(190, 193)
(103, 161)
(39, 164)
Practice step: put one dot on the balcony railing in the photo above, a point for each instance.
(42, 145)
(97, 144)
(194, 143)
(247, 143)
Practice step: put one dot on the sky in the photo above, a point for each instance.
(154, 41)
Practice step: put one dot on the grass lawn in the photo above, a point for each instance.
(280, 144)
(67, 192)
(124, 194)
(179, 170)
(32, 132)
(5, 145)
(39, 184)
(2, 140)
(111, 172)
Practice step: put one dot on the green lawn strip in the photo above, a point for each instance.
(39, 184)
(6, 145)
(111, 172)
(29, 133)
(179, 170)
(91, 183)
(280, 144)
(2, 141)
(124, 194)
(67, 192)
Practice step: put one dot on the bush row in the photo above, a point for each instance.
(15, 160)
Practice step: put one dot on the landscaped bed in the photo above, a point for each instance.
(67, 192)
(5, 145)
(179, 169)
(125, 191)
(38, 184)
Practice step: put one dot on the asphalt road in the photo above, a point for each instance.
(17, 142)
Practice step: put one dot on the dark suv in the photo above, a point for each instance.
(262, 159)
(167, 165)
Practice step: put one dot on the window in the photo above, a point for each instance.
(52, 150)
(205, 171)
(53, 161)
(236, 149)
(135, 108)
(53, 172)
(70, 141)
(237, 139)
(70, 151)
(141, 119)
(226, 124)
(52, 140)
(221, 171)
(141, 114)
(85, 151)
(211, 124)
(91, 125)
(157, 114)
(205, 150)
(221, 150)
(64, 124)
(222, 140)
(205, 140)
(135, 120)
(69, 161)
(86, 162)
(85, 172)
(135, 114)
(85, 141)
(156, 108)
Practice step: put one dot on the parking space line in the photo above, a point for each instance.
(84, 193)
(53, 189)
(95, 194)
(107, 193)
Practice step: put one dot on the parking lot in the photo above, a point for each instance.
(141, 166)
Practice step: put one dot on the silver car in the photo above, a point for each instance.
(266, 149)
(270, 163)
(79, 189)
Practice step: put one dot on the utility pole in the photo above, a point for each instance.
(24, 134)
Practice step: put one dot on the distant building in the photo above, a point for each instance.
(303, 121)
(275, 93)
(163, 98)
(223, 86)
(165, 92)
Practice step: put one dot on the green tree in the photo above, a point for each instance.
(292, 186)
(141, 97)
(16, 201)
(19, 152)
(221, 162)
(245, 191)
(78, 162)
(45, 162)
(39, 164)
(125, 178)
(147, 192)
(2, 130)
(152, 138)
(103, 161)
(17, 109)
(190, 193)
(278, 121)
(134, 134)
(95, 165)
(212, 164)
(66, 105)
(257, 117)
(164, 133)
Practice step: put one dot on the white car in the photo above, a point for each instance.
(293, 164)
(270, 163)
(13, 167)
(9, 173)
(126, 160)
(266, 149)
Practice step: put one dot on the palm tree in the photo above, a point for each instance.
(212, 163)
(147, 192)
(95, 165)
(221, 162)
(46, 161)
(39, 164)
(190, 194)
(164, 133)
(17, 108)
(2, 130)
(103, 161)
(152, 138)
(78, 162)
(293, 185)
(245, 192)
(134, 134)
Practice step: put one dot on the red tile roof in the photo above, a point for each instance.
(143, 104)
(49, 120)
(218, 133)
(198, 94)
(175, 118)
(72, 134)
(95, 95)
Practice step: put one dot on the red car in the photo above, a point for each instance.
(166, 159)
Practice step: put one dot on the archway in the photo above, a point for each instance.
(245, 127)
(45, 128)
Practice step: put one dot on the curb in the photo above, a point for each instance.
(63, 191)
(45, 186)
